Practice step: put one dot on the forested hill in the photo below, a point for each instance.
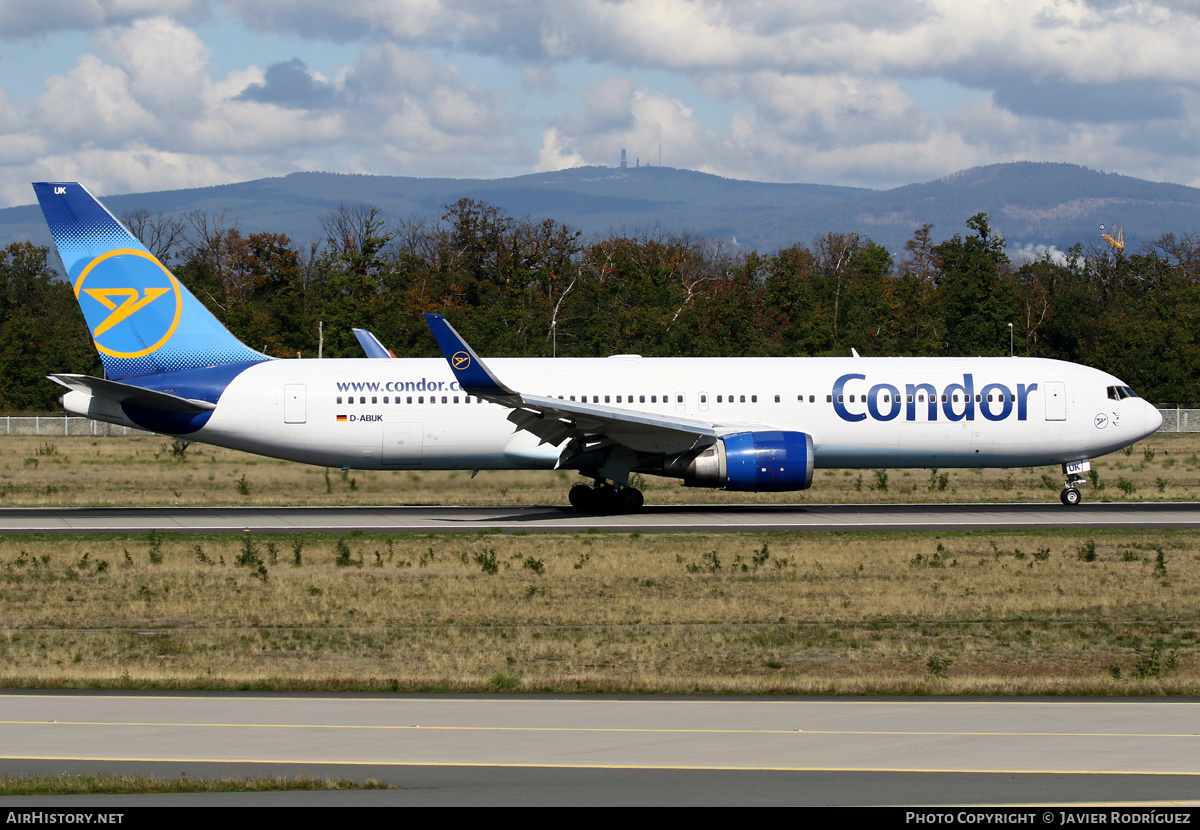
(1029, 204)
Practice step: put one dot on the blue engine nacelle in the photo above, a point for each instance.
(761, 462)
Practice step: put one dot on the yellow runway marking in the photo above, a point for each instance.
(685, 767)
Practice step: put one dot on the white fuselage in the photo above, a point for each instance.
(860, 412)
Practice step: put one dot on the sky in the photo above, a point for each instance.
(137, 95)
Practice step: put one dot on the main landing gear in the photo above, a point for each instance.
(605, 497)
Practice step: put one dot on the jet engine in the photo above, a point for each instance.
(762, 462)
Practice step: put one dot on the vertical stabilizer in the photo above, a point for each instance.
(143, 321)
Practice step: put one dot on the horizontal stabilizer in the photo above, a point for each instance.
(123, 393)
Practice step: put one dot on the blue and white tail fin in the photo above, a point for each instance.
(143, 321)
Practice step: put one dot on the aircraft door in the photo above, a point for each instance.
(403, 444)
(295, 404)
(1056, 400)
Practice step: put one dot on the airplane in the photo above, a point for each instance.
(738, 424)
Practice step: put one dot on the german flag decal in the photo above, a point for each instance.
(341, 418)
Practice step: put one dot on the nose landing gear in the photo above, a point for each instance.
(1070, 496)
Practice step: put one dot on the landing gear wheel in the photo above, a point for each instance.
(1070, 496)
(631, 499)
(605, 497)
(581, 497)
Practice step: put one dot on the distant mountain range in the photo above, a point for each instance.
(1030, 203)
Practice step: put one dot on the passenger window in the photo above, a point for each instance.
(456, 398)
(754, 399)
(606, 399)
(654, 399)
(776, 399)
(339, 398)
(812, 398)
(704, 399)
(829, 398)
(741, 398)
(410, 399)
(421, 399)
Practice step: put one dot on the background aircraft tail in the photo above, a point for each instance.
(143, 321)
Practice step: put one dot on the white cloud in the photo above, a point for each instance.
(91, 106)
(781, 90)
(24, 18)
(165, 61)
(1071, 39)
(618, 116)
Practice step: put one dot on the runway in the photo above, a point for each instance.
(543, 750)
(708, 518)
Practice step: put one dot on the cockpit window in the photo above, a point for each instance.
(1119, 393)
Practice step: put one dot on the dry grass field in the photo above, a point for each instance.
(149, 471)
(1052, 612)
(918, 613)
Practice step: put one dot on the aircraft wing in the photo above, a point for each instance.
(122, 393)
(554, 420)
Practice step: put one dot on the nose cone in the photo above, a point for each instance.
(1154, 419)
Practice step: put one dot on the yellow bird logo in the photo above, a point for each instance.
(130, 305)
(461, 360)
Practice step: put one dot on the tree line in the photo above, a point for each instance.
(519, 287)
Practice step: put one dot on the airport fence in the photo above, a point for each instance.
(1175, 419)
(62, 425)
(1179, 419)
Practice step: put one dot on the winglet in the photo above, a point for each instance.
(472, 375)
(371, 345)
